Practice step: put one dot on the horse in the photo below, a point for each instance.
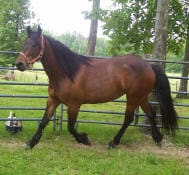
(75, 79)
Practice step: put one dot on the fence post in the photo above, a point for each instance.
(61, 118)
(136, 116)
(54, 121)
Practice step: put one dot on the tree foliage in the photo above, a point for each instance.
(74, 41)
(131, 26)
(13, 19)
(78, 43)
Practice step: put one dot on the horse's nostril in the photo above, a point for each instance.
(20, 66)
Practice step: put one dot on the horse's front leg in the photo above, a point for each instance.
(72, 117)
(52, 104)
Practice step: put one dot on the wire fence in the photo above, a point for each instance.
(59, 118)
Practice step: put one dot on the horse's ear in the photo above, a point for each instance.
(29, 30)
(39, 30)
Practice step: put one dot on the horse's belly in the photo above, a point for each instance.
(102, 95)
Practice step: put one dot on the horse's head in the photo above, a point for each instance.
(33, 50)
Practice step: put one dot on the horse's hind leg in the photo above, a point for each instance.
(129, 117)
(72, 116)
(147, 108)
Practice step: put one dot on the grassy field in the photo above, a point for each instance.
(59, 154)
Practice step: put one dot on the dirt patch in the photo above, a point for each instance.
(166, 150)
(11, 143)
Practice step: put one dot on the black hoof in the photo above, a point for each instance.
(158, 138)
(111, 145)
(82, 138)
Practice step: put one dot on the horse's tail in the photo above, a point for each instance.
(163, 94)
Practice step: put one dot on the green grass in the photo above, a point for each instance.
(59, 154)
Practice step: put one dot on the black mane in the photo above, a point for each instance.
(68, 60)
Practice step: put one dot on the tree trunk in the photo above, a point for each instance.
(161, 23)
(93, 28)
(159, 47)
(185, 71)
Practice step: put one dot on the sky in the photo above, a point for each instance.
(61, 16)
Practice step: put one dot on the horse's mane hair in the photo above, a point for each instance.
(69, 61)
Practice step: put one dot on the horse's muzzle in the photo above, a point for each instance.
(20, 66)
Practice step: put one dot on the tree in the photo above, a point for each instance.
(93, 27)
(13, 19)
(130, 26)
(185, 70)
(161, 23)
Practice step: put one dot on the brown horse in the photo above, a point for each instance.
(75, 80)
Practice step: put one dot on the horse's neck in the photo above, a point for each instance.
(50, 64)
